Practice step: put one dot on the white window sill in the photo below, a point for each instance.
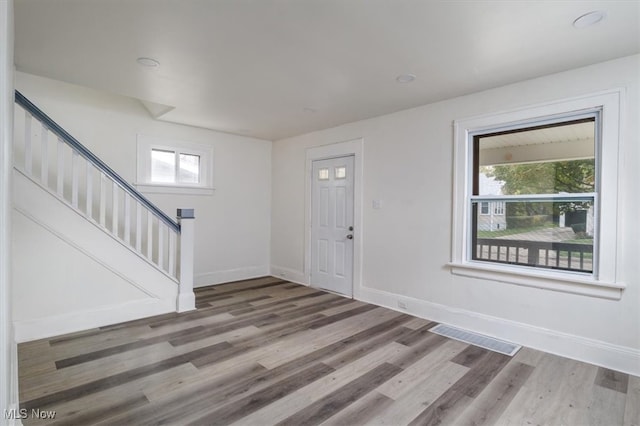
(149, 188)
(565, 282)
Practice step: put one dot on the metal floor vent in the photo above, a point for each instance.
(476, 339)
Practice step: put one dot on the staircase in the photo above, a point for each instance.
(90, 250)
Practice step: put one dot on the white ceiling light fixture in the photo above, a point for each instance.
(405, 78)
(589, 19)
(148, 62)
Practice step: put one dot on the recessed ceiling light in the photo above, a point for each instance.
(148, 62)
(405, 78)
(589, 19)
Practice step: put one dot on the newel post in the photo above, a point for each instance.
(186, 298)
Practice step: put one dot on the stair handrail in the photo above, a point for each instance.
(93, 159)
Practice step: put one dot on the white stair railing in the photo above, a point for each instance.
(52, 158)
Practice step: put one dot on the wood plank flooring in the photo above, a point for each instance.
(269, 352)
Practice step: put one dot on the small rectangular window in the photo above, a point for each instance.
(163, 166)
(323, 174)
(341, 172)
(165, 169)
(166, 164)
(189, 171)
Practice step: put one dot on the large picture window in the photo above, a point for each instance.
(535, 196)
(541, 184)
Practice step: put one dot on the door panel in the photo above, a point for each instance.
(340, 250)
(331, 224)
(341, 210)
(323, 207)
(322, 260)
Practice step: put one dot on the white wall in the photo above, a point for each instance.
(408, 165)
(232, 225)
(8, 350)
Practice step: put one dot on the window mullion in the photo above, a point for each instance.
(586, 196)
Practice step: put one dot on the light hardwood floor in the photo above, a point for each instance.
(265, 351)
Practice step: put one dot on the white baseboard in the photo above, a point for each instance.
(41, 328)
(615, 357)
(230, 275)
(288, 274)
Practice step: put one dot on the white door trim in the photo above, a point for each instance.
(353, 147)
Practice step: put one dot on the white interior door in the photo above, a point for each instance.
(332, 225)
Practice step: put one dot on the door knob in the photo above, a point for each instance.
(350, 237)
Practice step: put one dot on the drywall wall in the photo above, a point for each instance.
(8, 350)
(232, 225)
(406, 244)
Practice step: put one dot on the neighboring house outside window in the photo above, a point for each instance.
(491, 212)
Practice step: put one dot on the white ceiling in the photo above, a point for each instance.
(278, 68)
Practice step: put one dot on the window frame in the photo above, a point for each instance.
(482, 205)
(602, 283)
(145, 144)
